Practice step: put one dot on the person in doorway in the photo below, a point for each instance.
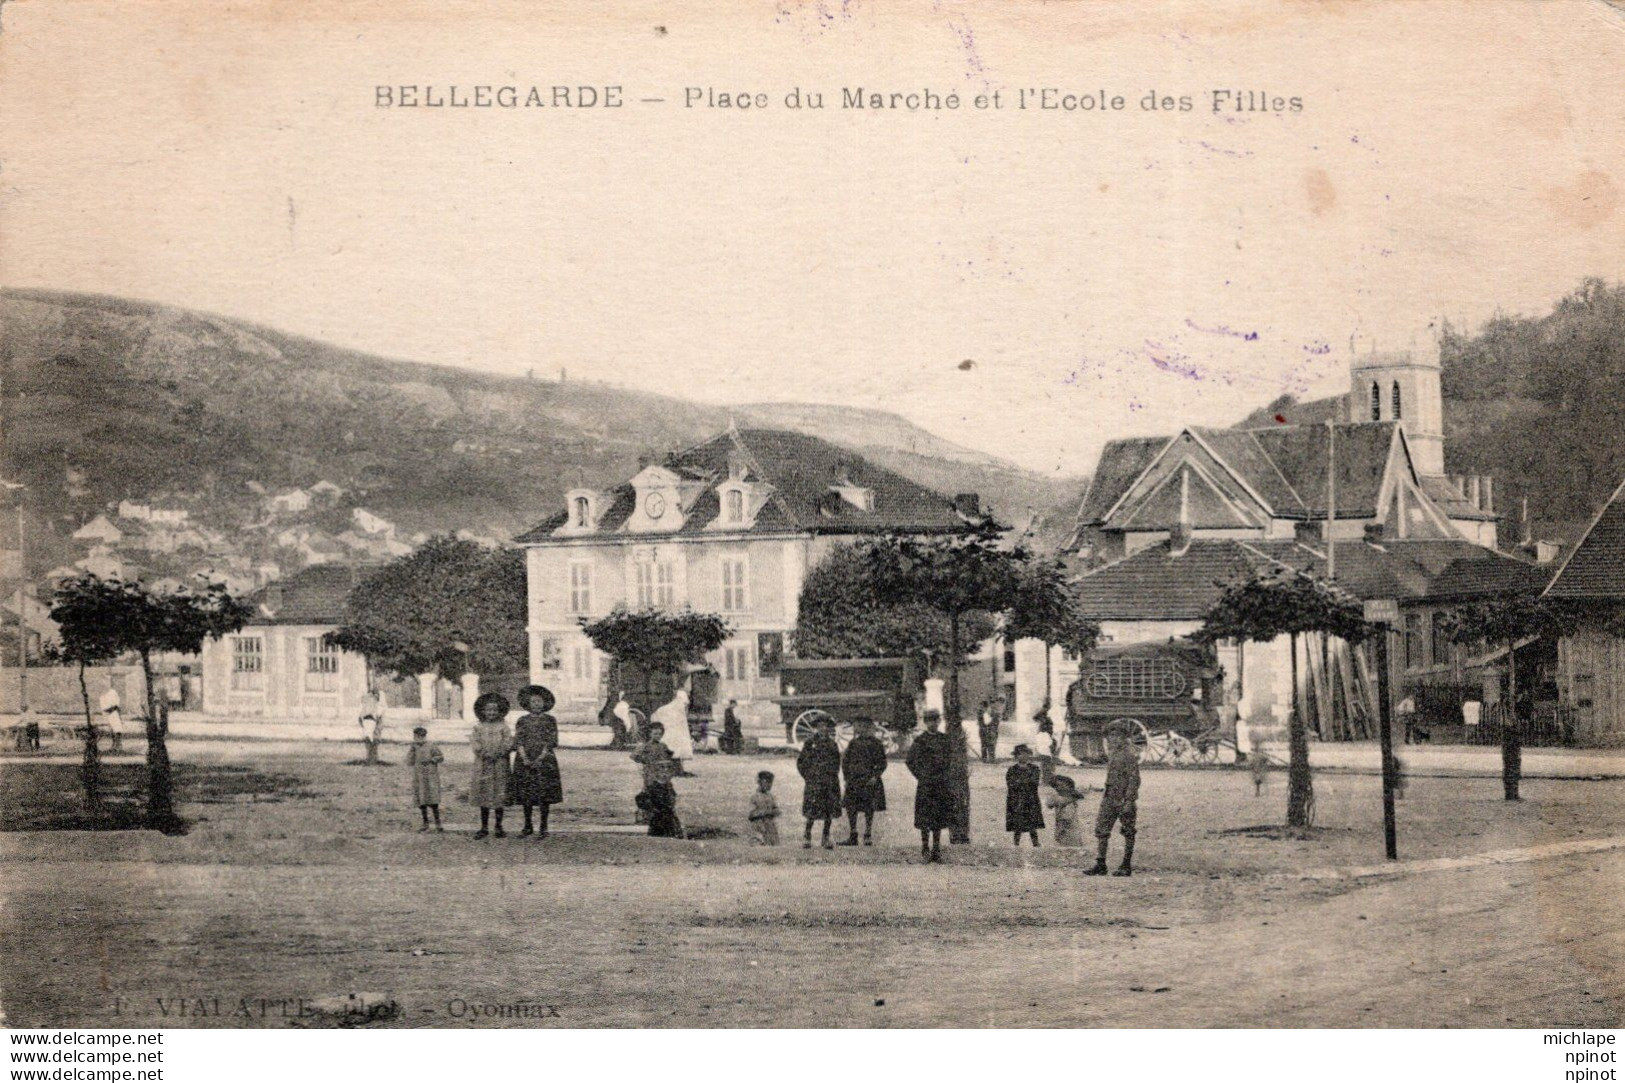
(491, 741)
(959, 771)
(733, 733)
(1023, 815)
(929, 761)
(425, 758)
(1119, 804)
(764, 811)
(862, 765)
(819, 764)
(536, 780)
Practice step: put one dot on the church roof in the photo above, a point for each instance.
(1595, 570)
(800, 470)
(1285, 466)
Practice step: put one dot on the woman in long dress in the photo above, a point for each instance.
(491, 740)
(674, 716)
(536, 780)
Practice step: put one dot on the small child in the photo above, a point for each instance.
(425, 759)
(764, 811)
(658, 801)
(1261, 769)
(1023, 815)
(1064, 798)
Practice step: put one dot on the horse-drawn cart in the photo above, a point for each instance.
(881, 690)
(1166, 692)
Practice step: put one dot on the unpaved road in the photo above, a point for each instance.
(266, 905)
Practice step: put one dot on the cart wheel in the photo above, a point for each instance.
(1205, 750)
(1180, 750)
(807, 724)
(1153, 746)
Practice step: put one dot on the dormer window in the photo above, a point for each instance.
(581, 508)
(733, 506)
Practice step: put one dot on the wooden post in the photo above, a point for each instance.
(1385, 711)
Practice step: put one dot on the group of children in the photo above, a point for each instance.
(511, 767)
(1024, 811)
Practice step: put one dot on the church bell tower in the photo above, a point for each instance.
(1404, 387)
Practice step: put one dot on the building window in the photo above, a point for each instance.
(734, 574)
(1412, 637)
(583, 667)
(321, 665)
(656, 582)
(1441, 645)
(247, 663)
(552, 653)
(769, 653)
(735, 509)
(1376, 402)
(581, 588)
(1398, 409)
(736, 665)
(581, 512)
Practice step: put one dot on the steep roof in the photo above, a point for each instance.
(313, 596)
(800, 470)
(1156, 584)
(1595, 570)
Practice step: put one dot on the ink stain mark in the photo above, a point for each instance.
(1230, 332)
(1280, 419)
(660, 31)
(1318, 188)
(966, 365)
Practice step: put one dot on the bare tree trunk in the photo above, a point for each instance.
(1512, 731)
(953, 666)
(90, 770)
(160, 780)
(1300, 783)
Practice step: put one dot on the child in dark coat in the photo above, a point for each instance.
(820, 767)
(534, 780)
(862, 764)
(930, 762)
(1023, 814)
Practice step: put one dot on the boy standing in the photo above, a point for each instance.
(820, 766)
(1118, 803)
(764, 811)
(425, 759)
(1023, 815)
(862, 764)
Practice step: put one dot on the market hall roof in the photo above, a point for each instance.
(1595, 570)
(799, 473)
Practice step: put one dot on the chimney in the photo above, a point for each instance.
(1489, 493)
(1373, 533)
(968, 504)
(273, 598)
(1474, 494)
(1179, 539)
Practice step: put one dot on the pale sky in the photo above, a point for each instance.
(1108, 273)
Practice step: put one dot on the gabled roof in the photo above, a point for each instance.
(800, 470)
(1595, 570)
(314, 596)
(1285, 467)
(1155, 584)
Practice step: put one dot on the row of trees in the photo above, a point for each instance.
(936, 598)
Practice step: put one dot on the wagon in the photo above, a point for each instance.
(1162, 691)
(882, 690)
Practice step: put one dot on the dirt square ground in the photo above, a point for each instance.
(304, 878)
